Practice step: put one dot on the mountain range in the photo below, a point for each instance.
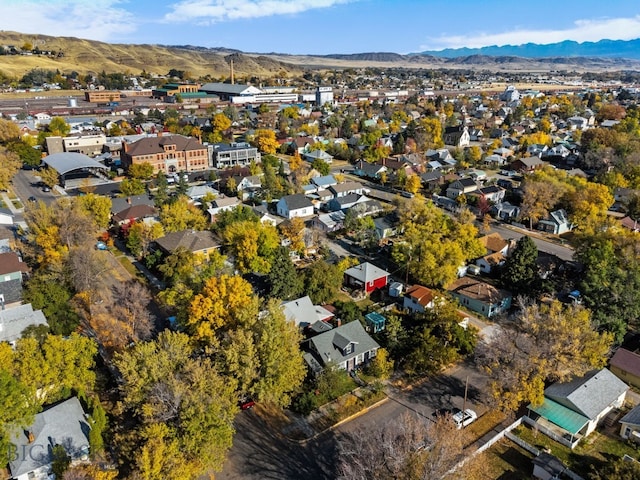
(603, 48)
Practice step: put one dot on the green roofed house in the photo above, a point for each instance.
(375, 322)
(572, 410)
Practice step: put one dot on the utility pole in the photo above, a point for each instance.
(464, 402)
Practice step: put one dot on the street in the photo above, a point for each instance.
(562, 252)
(260, 452)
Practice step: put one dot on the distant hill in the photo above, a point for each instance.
(603, 48)
(87, 56)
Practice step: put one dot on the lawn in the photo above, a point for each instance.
(597, 447)
(508, 461)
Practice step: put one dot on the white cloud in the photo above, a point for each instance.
(581, 31)
(101, 20)
(211, 11)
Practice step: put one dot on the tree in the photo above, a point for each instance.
(284, 280)
(161, 195)
(98, 207)
(9, 131)
(431, 130)
(59, 127)
(381, 366)
(322, 281)
(521, 269)
(549, 343)
(295, 162)
(293, 231)
(220, 122)
(181, 215)
(321, 166)
(141, 171)
(165, 383)
(407, 448)
(413, 184)
(60, 460)
(252, 245)
(28, 155)
(49, 177)
(266, 141)
(9, 166)
(52, 297)
(224, 303)
(18, 410)
(140, 235)
(131, 186)
(615, 470)
(281, 366)
(98, 422)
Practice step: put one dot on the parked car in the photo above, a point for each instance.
(32, 199)
(247, 404)
(462, 419)
(46, 189)
(101, 246)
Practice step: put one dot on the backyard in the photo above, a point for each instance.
(596, 449)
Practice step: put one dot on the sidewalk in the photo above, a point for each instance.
(9, 204)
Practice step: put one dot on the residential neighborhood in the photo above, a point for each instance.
(220, 265)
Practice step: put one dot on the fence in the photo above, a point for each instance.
(551, 434)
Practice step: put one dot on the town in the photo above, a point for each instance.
(357, 273)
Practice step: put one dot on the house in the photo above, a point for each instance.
(625, 365)
(577, 406)
(557, 223)
(303, 313)
(375, 322)
(133, 213)
(318, 155)
(329, 222)
(369, 170)
(120, 204)
(431, 180)
(630, 425)
(167, 153)
(222, 204)
(12, 272)
(325, 181)
(346, 347)
(14, 320)
(547, 467)
(417, 299)
(490, 261)
(527, 164)
(505, 211)
(461, 186)
(62, 424)
(386, 226)
(494, 243)
(480, 297)
(346, 188)
(366, 277)
(194, 241)
(198, 192)
(296, 205)
(6, 216)
(362, 204)
(492, 193)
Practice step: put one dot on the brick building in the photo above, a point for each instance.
(167, 153)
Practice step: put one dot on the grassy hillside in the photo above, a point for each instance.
(87, 56)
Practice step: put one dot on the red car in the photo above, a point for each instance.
(247, 404)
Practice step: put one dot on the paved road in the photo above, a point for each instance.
(259, 452)
(561, 251)
(25, 185)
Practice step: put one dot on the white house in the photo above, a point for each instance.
(296, 205)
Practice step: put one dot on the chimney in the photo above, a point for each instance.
(159, 134)
(31, 438)
(232, 80)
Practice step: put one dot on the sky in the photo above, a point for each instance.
(326, 26)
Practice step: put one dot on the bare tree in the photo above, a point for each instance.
(132, 306)
(410, 448)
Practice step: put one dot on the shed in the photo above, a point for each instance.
(375, 322)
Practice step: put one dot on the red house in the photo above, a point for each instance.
(366, 276)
